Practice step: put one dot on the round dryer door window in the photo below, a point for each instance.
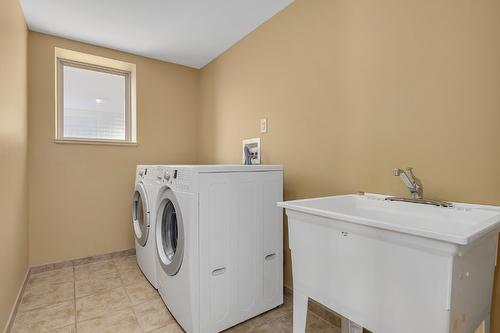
(140, 214)
(170, 233)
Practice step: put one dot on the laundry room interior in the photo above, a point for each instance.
(382, 216)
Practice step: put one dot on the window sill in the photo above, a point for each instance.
(95, 142)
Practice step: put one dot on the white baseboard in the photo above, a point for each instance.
(13, 311)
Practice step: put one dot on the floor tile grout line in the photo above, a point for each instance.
(104, 315)
(104, 291)
(122, 285)
(130, 300)
(134, 305)
(94, 293)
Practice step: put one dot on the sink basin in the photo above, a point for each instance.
(394, 266)
(460, 224)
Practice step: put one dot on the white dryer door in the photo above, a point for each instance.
(169, 233)
(140, 214)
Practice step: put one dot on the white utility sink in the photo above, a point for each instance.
(393, 266)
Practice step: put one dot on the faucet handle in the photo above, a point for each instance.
(396, 172)
(413, 183)
(417, 182)
(412, 175)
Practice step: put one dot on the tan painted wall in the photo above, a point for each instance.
(13, 155)
(353, 89)
(80, 194)
(361, 86)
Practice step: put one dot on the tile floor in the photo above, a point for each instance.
(114, 296)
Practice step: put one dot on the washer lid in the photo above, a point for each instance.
(169, 233)
(140, 214)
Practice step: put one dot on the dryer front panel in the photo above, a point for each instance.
(140, 214)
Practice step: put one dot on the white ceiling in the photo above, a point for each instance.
(187, 32)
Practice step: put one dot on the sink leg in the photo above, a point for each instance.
(486, 325)
(344, 325)
(299, 312)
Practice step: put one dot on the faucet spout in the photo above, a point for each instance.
(413, 184)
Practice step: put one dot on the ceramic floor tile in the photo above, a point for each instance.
(51, 277)
(324, 313)
(271, 315)
(125, 263)
(140, 292)
(114, 296)
(100, 304)
(153, 314)
(261, 320)
(171, 328)
(51, 267)
(66, 329)
(318, 325)
(87, 287)
(122, 321)
(281, 325)
(284, 324)
(132, 276)
(45, 319)
(42, 294)
(91, 259)
(249, 325)
(244, 327)
(97, 270)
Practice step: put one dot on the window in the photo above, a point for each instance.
(95, 99)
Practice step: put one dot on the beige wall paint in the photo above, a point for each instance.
(360, 86)
(13, 155)
(80, 194)
(353, 89)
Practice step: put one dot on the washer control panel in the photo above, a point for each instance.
(177, 178)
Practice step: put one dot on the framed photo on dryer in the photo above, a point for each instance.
(250, 151)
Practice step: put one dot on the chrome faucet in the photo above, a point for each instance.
(413, 183)
(416, 189)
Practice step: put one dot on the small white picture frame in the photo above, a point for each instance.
(250, 147)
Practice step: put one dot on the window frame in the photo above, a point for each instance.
(99, 64)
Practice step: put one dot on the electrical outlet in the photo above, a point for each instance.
(263, 125)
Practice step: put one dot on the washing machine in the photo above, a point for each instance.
(148, 181)
(219, 241)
